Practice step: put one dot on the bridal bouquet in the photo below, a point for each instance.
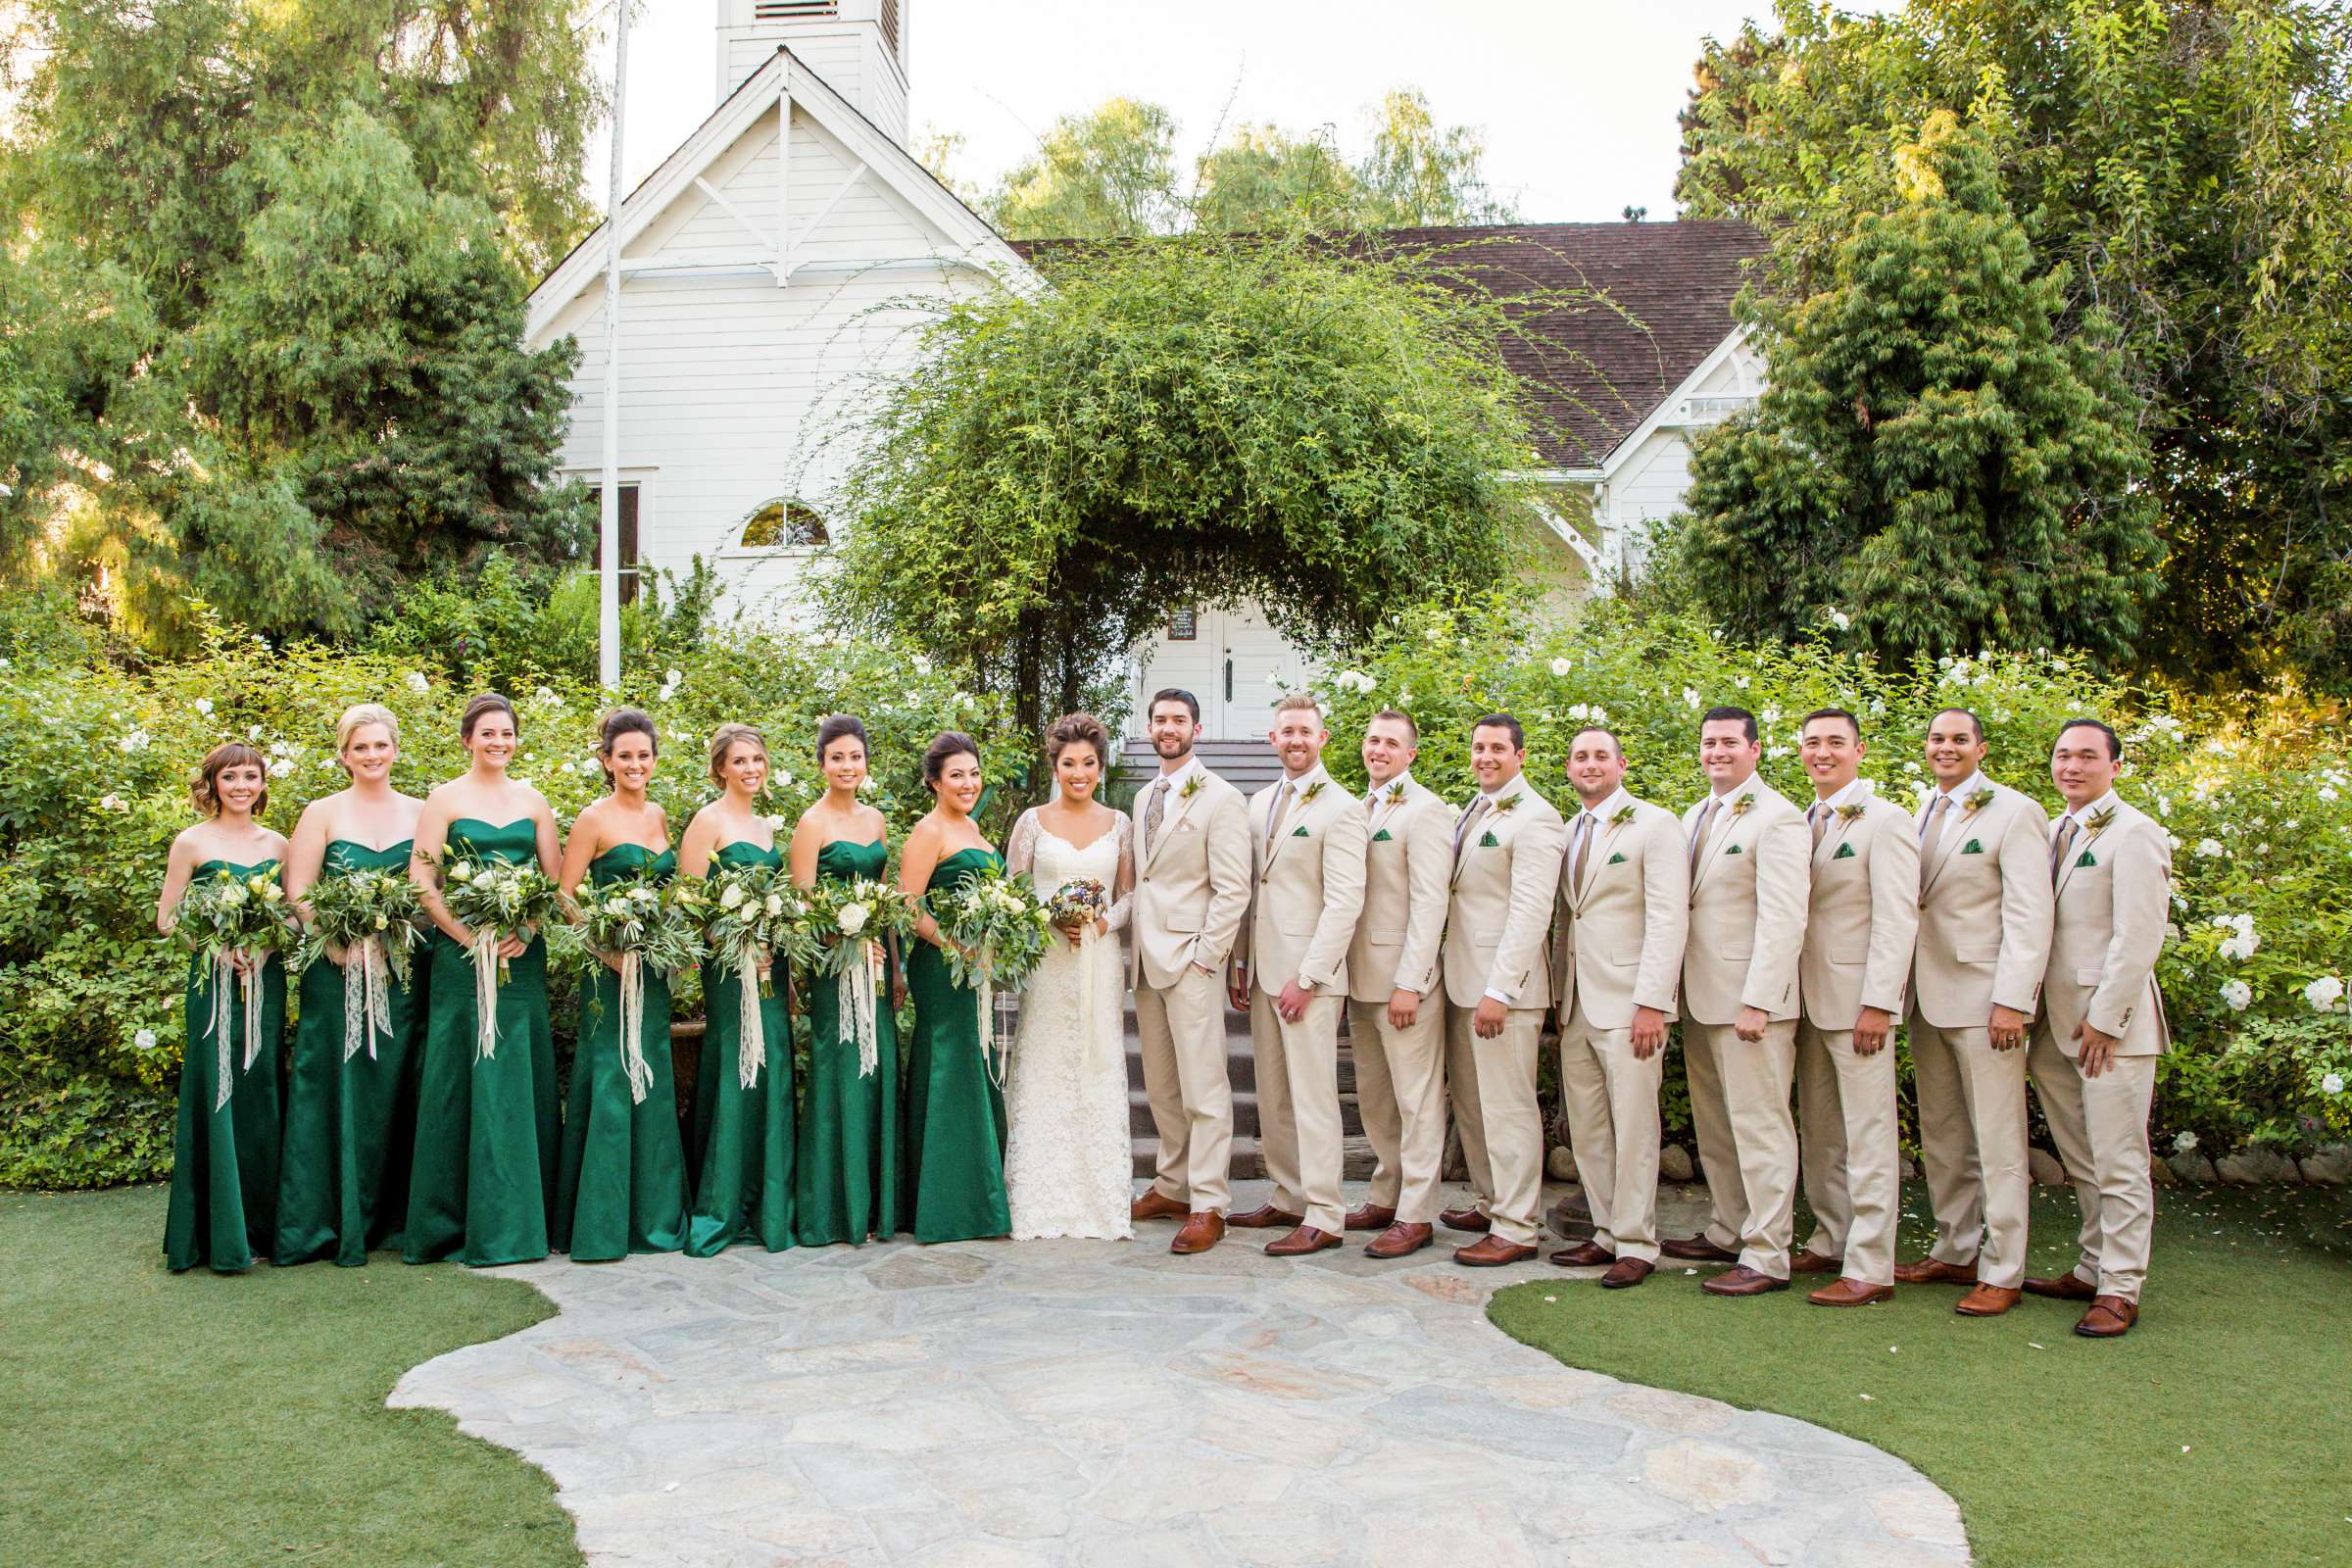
(845, 923)
(495, 900)
(1078, 904)
(224, 918)
(996, 929)
(639, 922)
(749, 914)
(375, 917)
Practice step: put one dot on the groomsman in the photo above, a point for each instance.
(1747, 855)
(1191, 858)
(1506, 873)
(1983, 942)
(1617, 970)
(2094, 1051)
(1395, 1029)
(1291, 975)
(1851, 977)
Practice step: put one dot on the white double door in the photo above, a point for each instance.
(1236, 665)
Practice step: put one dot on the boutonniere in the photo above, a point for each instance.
(1740, 807)
(1191, 787)
(1396, 792)
(1850, 814)
(1306, 795)
(1623, 816)
(1507, 804)
(2096, 822)
(1975, 801)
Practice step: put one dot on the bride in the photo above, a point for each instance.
(1068, 1163)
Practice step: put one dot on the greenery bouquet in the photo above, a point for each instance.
(997, 930)
(495, 901)
(747, 914)
(376, 919)
(635, 923)
(846, 923)
(232, 923)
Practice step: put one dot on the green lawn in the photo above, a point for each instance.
(2219, 1431)
(218, 1419)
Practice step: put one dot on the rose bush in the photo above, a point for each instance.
(2259, 803)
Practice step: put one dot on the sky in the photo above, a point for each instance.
(1577, 98)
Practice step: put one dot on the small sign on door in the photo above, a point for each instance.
(1184, 627)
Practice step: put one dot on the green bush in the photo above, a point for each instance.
(2260, 808)
(90, 1017)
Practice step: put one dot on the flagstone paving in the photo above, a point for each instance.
(993, 1405)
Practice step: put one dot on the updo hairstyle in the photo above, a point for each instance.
(617, 723)
(723, 741)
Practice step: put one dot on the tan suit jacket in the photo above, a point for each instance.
(1309, 886)
(1983, 913)
(2114, 894)
(1192, 882)
(1863, 916)
(1498, 927)
(1748, 907)
(1409, 859)
(1620, 946)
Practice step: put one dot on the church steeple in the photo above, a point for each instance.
(858, 46)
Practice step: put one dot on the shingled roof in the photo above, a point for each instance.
(1660, 302)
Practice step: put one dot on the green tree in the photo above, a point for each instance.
(1193, 420)
(1417, 175)
(2186, 162)
(1263, 179)
(1108, 174)
(1928, 462)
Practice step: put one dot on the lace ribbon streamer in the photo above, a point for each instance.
(373, 1014)
(632, 1026)
(986, 986)
(855, 1012)
(486, 964)
(224, 979)
(750, 1040)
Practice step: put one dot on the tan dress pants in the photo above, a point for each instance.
(1492, 1084)
(1746, 1137)
(2100, 1126)
(1401, 1093)
(1972, 1147)
(1182, 1031)
(1612, 1104)
(1298, 1107)
(1851, 1149)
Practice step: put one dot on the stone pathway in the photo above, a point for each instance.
(990, 1404)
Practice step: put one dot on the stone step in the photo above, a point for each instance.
(1248, 765)
(1249, 1163)
(1245, 1115)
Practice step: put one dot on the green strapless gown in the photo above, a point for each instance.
(486, 1131)
(846, 1186)
(620, 1185)
(223, 1207)
(343, 1183)
(743, 1138)
(955, 1133)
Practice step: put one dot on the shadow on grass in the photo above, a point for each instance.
(200, 1418)
(2217, 1432)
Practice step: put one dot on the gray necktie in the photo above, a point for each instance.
(1154, 810)
(1933, 823)
(2066, 842)
(1698, 834)
(1580, 850)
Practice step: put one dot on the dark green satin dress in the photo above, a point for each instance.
(955, 1122)
(343, 1183)
(621, 1185)
(484, 1175)
(742, 1137)
(224, 1204)
(846, 1186)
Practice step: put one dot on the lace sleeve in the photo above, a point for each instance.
(1123, 891)
(1020, 849)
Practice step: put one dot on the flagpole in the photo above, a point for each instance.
(608, 606)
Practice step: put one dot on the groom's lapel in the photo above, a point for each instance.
(1179, 803)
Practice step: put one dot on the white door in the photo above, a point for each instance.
(1232, 661)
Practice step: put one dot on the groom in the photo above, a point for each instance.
(1192, 884)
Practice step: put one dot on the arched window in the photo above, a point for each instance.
(784, 524)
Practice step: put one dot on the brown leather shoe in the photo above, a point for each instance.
(1370, 1217)
(1742, 1281)
(1850, 1293)
(2110, 1318)
(1987, 1300)
(1400, 1240)
(1157, 1204)
(1696, 1249)
(1808, 1261)
(1492, 1253)
(1584, 1254)
(1626, 1272)
(1204, 1230)
(1265, 1218)
(1935, 1271)
(1464, 1219)
(2063, 1288)
(1303, 1241)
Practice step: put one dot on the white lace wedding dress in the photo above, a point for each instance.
(1068, 1165)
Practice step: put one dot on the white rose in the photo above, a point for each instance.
(2211, 848)
(1560, 666)
(852, 918)
(1690, 697)
(616, 906)
(2332, 1084)
(2185, 1142)
(2324, 993)
(773, 905)
(1840, 620)
(460, 872)
(732, 897)
(2237, 994)
(671, 678)
(418, 684)
(280, 769)
(204, 704)
(144, 1040)
(234, 896)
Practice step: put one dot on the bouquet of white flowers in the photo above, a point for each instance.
(845, 925)
(495, 900)
(997, 930)
(638, 922)
(234, 922)
(749, 914)
(374, 917)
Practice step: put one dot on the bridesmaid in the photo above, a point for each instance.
(847, 1185)
(343, 1187)
(620, 1185)
(225, 1160)
(955, 1122)
(484, 1175)
(742, 1145)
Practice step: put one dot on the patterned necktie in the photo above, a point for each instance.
(1698, 834)
(1817, 817)
(1282, 801)
(1461, 831)
(2066, 842)
(1932, 824)
(1580, 850)
(1154, 810)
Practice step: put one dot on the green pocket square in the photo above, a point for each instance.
(1381, 837)
(1845, 851)
(1616, 859)
(1300, 831)
(1734, 850)
(1490, 842)
(1971, 847)
(2087, 859)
